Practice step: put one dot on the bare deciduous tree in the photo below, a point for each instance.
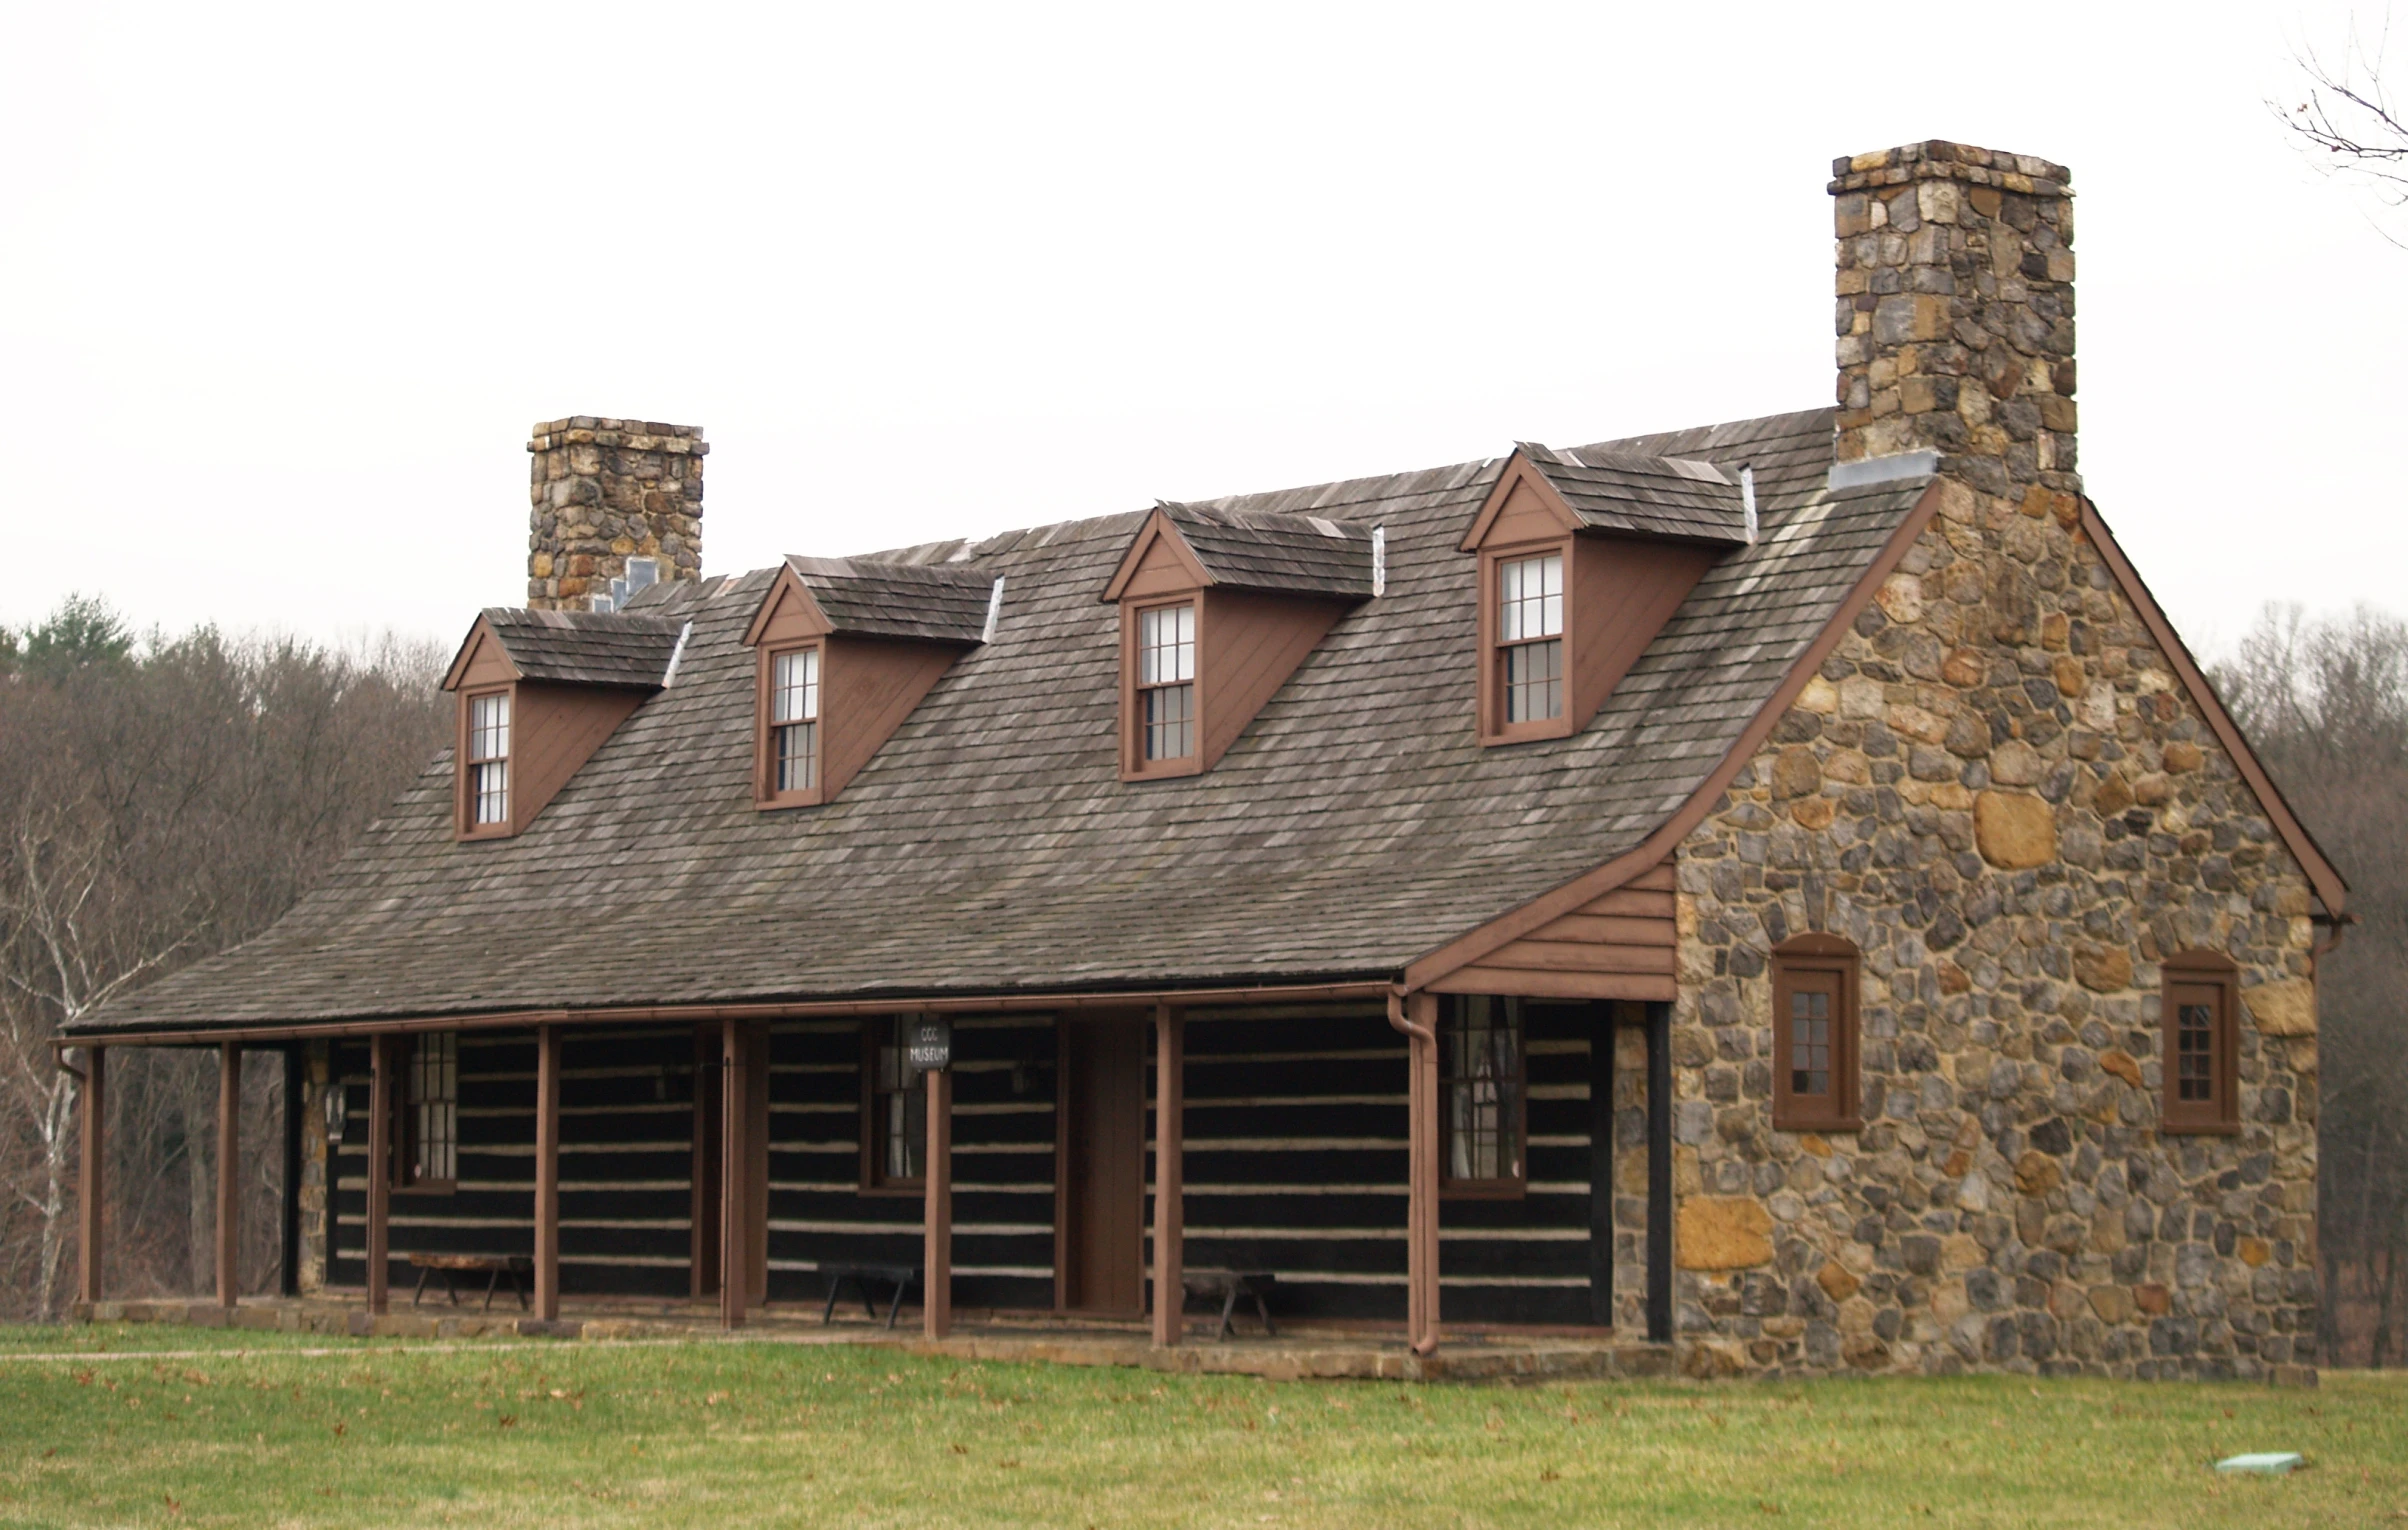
(2326, 703)
(2347, 120)
(74, 956)
(159, 801)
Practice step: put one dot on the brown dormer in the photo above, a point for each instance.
(846, 648)
(1583, 558)
(1216, 611)
(539, 692)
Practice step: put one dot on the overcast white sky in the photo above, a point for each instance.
(282, 290)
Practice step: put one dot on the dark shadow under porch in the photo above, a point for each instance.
(1302, 1350)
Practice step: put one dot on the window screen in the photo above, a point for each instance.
(898, 1146)
(1481, 1076)
(434, 1107)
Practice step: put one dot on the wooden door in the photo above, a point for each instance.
(1099, 1157)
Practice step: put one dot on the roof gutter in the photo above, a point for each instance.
(656, 1014)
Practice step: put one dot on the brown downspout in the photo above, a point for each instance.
(1414, 1015)
(2340, 925)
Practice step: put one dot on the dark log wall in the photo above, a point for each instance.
(626, 1166)
(1296, 1158)
(1003, 1147)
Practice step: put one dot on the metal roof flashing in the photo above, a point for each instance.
(1866, 471)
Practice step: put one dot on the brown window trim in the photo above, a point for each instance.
(1134, 766)
(1494, 729)
(1826, 957)
(874, 1180)
(464, 801)
(765, 760)
(2209, 972)
(1511, 1187)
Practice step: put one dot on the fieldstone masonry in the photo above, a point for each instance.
(2000, 791)
(1956, 313)
(316, 1185)
(604, 491)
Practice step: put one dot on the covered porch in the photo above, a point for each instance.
(1370, 1160)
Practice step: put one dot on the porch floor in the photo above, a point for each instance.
(1301, 1350)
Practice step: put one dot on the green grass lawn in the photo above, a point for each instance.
(251, 1429)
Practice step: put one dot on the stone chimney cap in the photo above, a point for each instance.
(634, 435)
(1937, 159)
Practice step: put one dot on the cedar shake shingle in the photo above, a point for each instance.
(1644, 494)
(585, 647)
(874, 598)
(991, 845)
(1289, 554)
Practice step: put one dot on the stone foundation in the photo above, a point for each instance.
(315, 1083)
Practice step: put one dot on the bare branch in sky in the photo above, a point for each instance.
(2347, 122)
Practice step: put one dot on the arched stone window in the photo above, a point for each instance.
(1815, 1086)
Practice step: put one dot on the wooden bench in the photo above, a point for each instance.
(1229, 1285)
(900, 1276)
(492, 1266)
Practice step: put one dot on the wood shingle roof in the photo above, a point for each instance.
(619, 648)
(991, 847)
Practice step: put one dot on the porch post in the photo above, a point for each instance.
(296, 1071)
(706, 1193)
(1601, 1163)
(733, 1261)
(229, 1171)
(936, 1276)
(380, 1165)
(1422, 1252)
(91, 1177)
(547, 1173)
(1170, 1175)
(1659, 1173)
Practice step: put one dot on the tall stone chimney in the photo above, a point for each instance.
(1956, 313)
(606, 491)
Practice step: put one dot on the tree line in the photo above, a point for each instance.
(2326, 704)
(162, 798)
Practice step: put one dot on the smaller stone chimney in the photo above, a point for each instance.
(1956, 313)
(605, 491)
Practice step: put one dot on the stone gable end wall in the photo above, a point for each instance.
(1999, 790)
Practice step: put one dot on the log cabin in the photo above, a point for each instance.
(1780, 888)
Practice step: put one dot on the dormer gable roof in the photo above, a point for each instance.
(617, 649)
(866, 597)
(1629, 493)
(1267, 553)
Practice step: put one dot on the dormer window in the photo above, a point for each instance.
(1530, 646)
(794, 717)
(539, 692)
(847, 647)
(1217, 609)
(489, 760)
(1166, 680)
(1583, 559)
